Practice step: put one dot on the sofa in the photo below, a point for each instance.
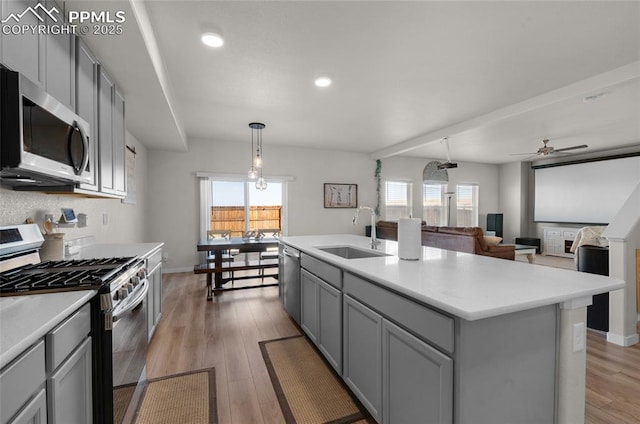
(460, 239)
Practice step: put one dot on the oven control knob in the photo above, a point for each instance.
(142, 274)
(135, 280)
(122, 293)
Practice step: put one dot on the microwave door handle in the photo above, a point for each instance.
(85, 147)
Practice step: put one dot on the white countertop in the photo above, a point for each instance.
(469, 286)
(25, 319)
(111, 250)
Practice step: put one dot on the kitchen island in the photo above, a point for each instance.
(452, 337)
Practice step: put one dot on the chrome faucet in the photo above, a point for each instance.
(374, 241)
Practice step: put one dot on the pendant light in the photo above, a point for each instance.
(256, 162)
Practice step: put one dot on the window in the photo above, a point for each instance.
(235, 205)
(467, 205)
(433, 203)
(397, 200)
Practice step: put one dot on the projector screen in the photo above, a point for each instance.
(586, 193)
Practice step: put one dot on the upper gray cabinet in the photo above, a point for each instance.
(64, 66)
(46, 59)
(87, 103)
(23, 52)
(111, 136)
(60, 70)
(119, 166)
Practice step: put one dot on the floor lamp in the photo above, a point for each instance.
(449, 194)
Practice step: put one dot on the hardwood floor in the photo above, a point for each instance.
(224, 333)
(613, 381)
(194, 334)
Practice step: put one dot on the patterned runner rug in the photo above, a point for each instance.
(307, 388)
(182, 398)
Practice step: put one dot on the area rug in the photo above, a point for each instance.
(188, 398)
(121, 397)
(308, 390)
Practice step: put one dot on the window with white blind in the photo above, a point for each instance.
(433, 203)
(397, 200)
(467, 205)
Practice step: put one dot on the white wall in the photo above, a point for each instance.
(410, 169)
(514, 200)
(125, 221)
(174, 194)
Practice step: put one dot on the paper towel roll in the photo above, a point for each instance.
(409, 239)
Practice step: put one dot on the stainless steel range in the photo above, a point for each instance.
(118, 312)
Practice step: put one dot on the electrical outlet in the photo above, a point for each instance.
(165, 256)
(579, 334)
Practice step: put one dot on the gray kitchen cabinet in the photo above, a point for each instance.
(330, 324)
(45, 59)
(321, 316)
(417, 380)
(60, 70)
(23, 52)
(119, 166)
(69, 388)
(111, 136)
(309, 304)
(51, 382)
(35, 412)
(106, 89)
(154, 295)
(20, 380)
(87, 103)
(68, 364)
(362, 357)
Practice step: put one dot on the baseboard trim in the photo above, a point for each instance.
(174, 270)
(620, 340)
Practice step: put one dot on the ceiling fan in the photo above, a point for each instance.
(546, 150)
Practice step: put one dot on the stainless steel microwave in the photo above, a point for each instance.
(42, 142)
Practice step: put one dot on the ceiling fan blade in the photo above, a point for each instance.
(582, 146)
(522, 154)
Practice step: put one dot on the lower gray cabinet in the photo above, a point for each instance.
(330, 324)
(19, 382)
(35, 412)
(362, 358)
(417, 379)
(309, 304)
(69, 388)
(322, 316)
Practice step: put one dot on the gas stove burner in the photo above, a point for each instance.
(55, 276)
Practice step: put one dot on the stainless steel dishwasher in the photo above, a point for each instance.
(290, 286)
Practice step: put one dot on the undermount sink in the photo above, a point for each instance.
(349, 252)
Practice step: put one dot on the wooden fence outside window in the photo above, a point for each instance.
(231, 218)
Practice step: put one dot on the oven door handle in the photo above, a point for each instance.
(133, 303)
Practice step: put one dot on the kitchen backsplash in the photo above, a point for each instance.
(109, 220)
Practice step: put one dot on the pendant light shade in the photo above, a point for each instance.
(255, 171)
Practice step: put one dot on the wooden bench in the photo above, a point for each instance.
(246, 265)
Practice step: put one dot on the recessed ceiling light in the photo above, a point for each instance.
(323, 81)
(212, 39)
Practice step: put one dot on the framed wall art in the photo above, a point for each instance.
(340, 195)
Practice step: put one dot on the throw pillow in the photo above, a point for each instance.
(492, 240)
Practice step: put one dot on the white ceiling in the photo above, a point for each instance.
(494, 77)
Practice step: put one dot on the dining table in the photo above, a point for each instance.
(218, 246)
